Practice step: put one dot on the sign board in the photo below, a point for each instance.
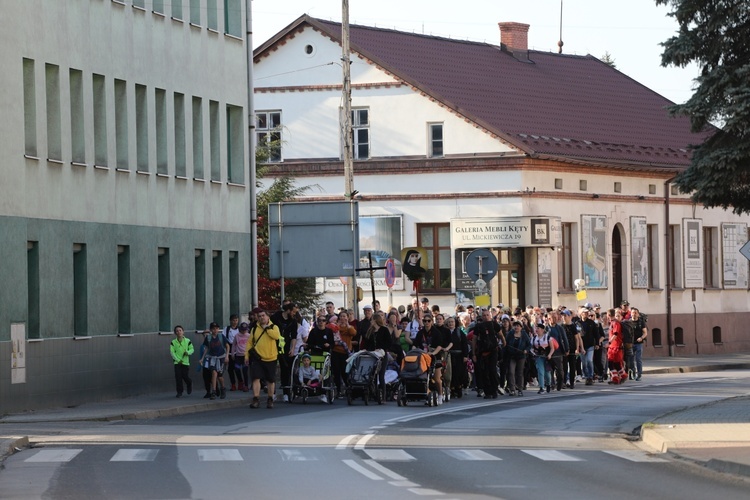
(481, 264)
(745, 250)
(312, 239)
(390, 273)
(505, 232)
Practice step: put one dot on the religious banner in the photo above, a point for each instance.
(639, 252)
(594, 250)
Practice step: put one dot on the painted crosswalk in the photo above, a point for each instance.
(373, 455)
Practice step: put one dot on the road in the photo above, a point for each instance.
(571, 444)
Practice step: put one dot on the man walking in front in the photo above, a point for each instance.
(261, 354)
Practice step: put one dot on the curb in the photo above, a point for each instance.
(728, 467)
(10, 444)
(699, 368)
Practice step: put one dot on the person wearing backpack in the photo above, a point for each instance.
(231, 331)
(561, 350)
(261, 354)
(487, 335)
(215, 358)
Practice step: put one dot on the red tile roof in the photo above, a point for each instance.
(574, 107)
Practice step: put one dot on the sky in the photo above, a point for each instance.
(629, 30)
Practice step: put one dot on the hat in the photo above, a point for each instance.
(366, 307)
(597, 306)
(588, 305)
(540, 325)
(565, 312)
(504, 316)
(624, 303)
(517, 323)
(244, 327)
(500, 305)
(424, 299)
(213, 325)
(401, 309)
(257, 310)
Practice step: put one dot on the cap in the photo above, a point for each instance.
(500, 305)
(424, 299)
(213, 325)
(565, 312)
(588, 305)
(257, 310)
(366, 307)
(306, 356)
(540, 325)
(517, 323)
(597, 306)
(624, 303)
(504, 316)
(244, 327)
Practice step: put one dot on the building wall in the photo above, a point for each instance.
(124, 131)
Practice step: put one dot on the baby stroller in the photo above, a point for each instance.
(322, 387)
(391, 378)
(363, 376)
(416, 384)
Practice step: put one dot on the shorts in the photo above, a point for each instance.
(215, 363)
(263, 370)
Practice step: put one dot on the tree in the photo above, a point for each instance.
(608, 60)
(715, 34)
(301, 290)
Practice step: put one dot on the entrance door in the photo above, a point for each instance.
(510, 277)
(616, 266)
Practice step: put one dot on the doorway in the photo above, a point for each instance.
(618, 273)
(510, 278)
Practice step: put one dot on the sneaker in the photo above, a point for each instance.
(511, 393)
(501, 391)
(637, 379)
(589, 381)
(255, 403)
(208, 395)
(480, 393)
(213, 395)
(179, 395)
(245, 388)
(286, 398)
(520, 392)
(324, 398)
(548, 388)
(223, 393)
(233, 388)
(190, 388)
(541, 390)
(269, 403)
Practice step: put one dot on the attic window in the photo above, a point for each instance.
(310, 49)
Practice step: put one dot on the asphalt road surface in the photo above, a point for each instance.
(569, 444)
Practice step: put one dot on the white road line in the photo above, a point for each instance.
(471, 455)
(219, 455)
(363, 441)
(134, 455)
(345, 442)
(552, 456)
(634, 455)
(53, 455)
(389, 455)
(426, 492)
(387, 472)
(295, 456)
(403, 484)
(369, 475)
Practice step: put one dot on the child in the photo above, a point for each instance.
(308, 375)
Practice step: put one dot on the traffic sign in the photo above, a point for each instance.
(481, 264)
(745, 250)
(390, 273)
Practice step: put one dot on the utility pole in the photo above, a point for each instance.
(251, 153)
(346, 130)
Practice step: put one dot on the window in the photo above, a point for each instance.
(710, 257)
(179, 135)
(77, 141)
(197, 138)
(618, 187)
(195, 13)
(675, 245)
(100, 121)
(121, 124)
(583, 185)
(436, 140)
(361, 133)
(29, 107)
(54, 124)
(558, 183)
(177, 9)
(212, 15)
(565, 256)
(158, 6)
(268, 129)
(673, 190)
(655, 337)
(213, 117)
(123, 288)
(679, 337)
(32, 278)
(717, 335)
(234, 283)
(80, 290)
(139, 4)
(235, 145)
(200, 289)
(435, 239)
(141, 127)
(218, 288)
(160, 105)
(652, 249)
(165, 303)
(233, 17)
(652, 189)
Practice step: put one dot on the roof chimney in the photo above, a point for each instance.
(514, 37)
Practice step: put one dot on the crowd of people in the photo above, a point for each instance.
(492, 351)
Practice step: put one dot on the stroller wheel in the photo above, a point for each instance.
(367, 401)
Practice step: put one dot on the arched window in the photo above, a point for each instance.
(717, 335)
(656, 337)
(679, 338)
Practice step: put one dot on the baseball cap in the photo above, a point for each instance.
(366, 306)
(244, 327)
(588, 305)
(565, 312)
(213, 325)
(425, 299)
(624, 303)
(504, 316)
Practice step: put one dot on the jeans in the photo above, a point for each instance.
(588, 363)
(543, 376)
(515, 373)
(638, 355)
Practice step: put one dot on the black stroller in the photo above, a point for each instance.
(364, 379)
(416, 383)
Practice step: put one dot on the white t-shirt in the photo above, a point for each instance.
(230, 333)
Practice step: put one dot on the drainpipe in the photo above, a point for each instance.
(668, 247)
(695, 328)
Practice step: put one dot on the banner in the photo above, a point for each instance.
(733, 237)
(594, 250)
(692, 231)
(639, 252)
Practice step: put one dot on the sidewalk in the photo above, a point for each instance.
(716, 435)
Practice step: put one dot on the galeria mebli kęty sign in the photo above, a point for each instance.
(506, 232)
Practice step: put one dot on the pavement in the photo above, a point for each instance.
(714, 435)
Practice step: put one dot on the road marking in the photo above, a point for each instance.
(363, 441)
(403, 484)
(471, 455)
(53, 455)
(388, 455)
(345, 442)
(387, 472)
(426, 492)
(551, 456)
(634, 455)
(219, 455)
(134, 455)
(369, 475)
(296, 456)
